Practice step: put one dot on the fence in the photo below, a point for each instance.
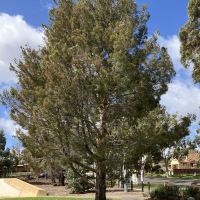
(186, 171)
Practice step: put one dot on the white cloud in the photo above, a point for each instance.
(183, 95)
(173, 45)
(8, 126)
(14, 33)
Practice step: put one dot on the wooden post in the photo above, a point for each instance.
(149, 187)
(131, 185)
(142, 186)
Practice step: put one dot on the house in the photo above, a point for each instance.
(189, 162)
(22, 168)
(187, 165)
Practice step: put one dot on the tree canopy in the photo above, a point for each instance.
(190, 39)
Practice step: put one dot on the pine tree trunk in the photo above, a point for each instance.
(100, 167)
(61, 178)
(100, 184)
(53, 178)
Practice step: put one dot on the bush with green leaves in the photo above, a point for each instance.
(175, 193)
(8, 161)
(166, 193)
(192, 192)
(77, 183)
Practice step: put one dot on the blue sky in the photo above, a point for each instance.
(167, 16)
(20, 23)
(35, 12)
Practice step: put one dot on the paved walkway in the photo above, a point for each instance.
(171, 180)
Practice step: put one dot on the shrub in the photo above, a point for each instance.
(78, 184)
(166, 193)
(174, 193)
(156, 168)
(192, 192)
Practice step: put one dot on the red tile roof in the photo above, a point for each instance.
(192, 157)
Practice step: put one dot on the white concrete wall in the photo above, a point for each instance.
(12, 187)
(7, 190)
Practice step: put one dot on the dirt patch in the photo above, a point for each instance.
(114, 193)
(55, 190)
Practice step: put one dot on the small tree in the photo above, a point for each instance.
(156, 136)
(7, 160)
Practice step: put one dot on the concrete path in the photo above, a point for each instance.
(171, 180)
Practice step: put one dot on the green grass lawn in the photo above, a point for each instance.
(46, 198)
(146, 188)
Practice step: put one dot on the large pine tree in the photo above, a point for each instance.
(99, 73)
